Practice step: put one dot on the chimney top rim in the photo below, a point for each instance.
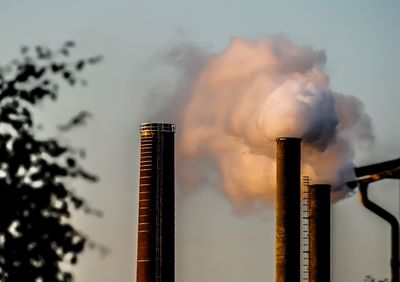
(288, 139)
(157, 127)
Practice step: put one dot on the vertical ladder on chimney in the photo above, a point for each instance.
(304, 229)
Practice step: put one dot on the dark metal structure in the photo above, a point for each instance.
(156, 223)
(379, 168)
(367, 175)
(288, 209)
(319, 218)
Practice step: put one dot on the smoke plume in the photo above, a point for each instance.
(231, 106)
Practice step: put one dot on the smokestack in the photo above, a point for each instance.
(319, 213)
(156, 223)
(288, 209)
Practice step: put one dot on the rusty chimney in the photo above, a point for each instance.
(319, 218)
(288, 209)
(156, 223)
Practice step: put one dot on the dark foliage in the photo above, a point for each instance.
(36, 236)
(369, 278)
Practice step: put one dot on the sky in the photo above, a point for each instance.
(361, 42)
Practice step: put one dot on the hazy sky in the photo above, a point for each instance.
(361, 41)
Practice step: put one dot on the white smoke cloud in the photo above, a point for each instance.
(231, 106)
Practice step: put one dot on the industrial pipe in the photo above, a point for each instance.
(394, 262)
(156, 217)
(319, 219)
(379, 168)
(288, 209)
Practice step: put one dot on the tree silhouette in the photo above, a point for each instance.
(36, 236)
(370, 278)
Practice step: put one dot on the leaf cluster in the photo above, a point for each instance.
(370, 278)
(36, 236)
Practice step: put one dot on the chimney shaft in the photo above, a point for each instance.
(288, 209)
(319, 213)
(156, 223)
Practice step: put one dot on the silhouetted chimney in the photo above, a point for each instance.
(288, 209)
(319, 219)
(156, 227)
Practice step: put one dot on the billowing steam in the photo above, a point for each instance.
(231, 106)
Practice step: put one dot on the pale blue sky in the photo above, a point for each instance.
(361, 40)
